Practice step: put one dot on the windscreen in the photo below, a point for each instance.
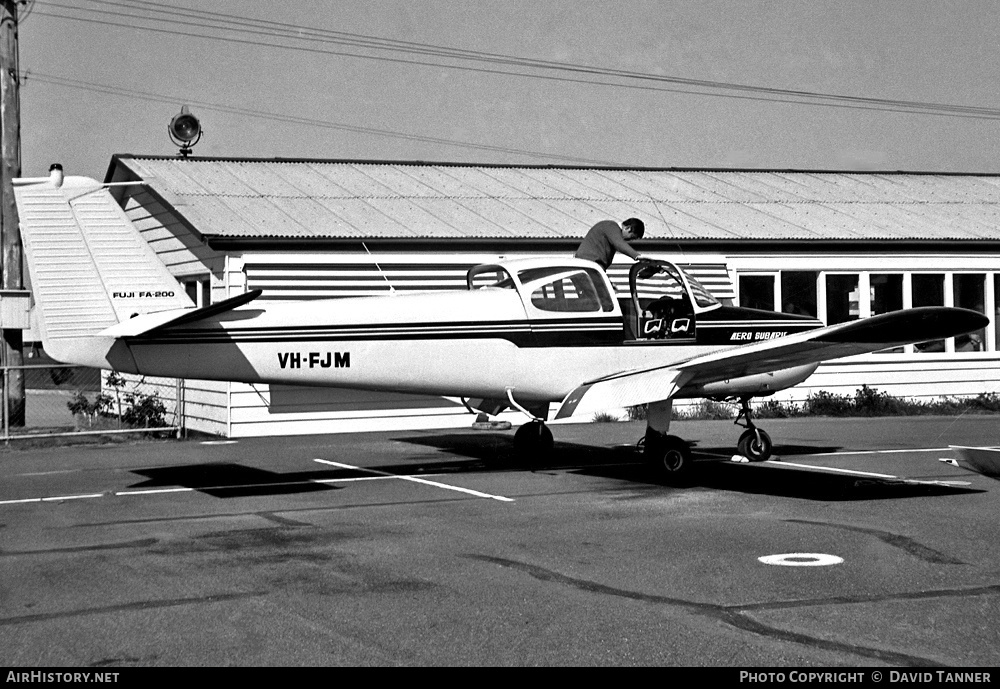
(702, 297)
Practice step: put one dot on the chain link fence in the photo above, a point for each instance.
(62, 400)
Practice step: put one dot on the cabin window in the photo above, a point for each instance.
(928, 290)
(494, 277)
(757, 291)
(842, 298)
(970, 293)
(798, 292)
(569, 291)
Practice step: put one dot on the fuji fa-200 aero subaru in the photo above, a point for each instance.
(524, 334)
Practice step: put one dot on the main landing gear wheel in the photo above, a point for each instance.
(670, 455)
(754, 444)
(533, 441)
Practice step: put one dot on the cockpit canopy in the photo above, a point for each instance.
(573, 286)
(653, 279)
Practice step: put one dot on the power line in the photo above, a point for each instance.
(552, 70)
(293, 119)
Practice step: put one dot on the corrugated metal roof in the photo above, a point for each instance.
(276, 199)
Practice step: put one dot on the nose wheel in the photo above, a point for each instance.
(754, 444)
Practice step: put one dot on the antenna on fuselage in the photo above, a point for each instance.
(382, 272)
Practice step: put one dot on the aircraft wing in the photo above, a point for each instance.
(640, 386)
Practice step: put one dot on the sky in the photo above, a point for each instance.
(911, 85)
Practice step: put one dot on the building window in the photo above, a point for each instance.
(928, 290)
(757, 291)
(842, 298)
(798, 292)
(970, 293)
(199, 289)
(996, 312)
(886, 293)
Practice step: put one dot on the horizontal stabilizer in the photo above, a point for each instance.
(143, 325)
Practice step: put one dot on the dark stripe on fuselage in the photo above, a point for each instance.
(545, 333)
(723, 326)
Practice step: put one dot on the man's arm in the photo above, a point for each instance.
(619, 243)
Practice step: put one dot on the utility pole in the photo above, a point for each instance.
(12, 277)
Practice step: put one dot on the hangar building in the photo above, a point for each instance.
(837, 245)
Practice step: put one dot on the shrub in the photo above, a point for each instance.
(825, 403)
(132, 407)
(866, 401)
(773, 409)
(637, 413)
(870, 402)
(986, 401)
(707, 410)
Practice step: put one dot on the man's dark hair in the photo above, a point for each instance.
(638, 229)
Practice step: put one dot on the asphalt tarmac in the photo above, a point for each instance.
(856, 547)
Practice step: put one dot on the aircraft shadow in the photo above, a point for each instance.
(711, 469)
(492, 453)
(228, 480)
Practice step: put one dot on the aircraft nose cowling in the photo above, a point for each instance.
(913, 325)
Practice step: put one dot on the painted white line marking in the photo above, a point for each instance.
(358, 478)
(869, 473)
(88, 496)
(160, 491)
(414, 479)
(54, 498)
(801, 560)
(833, 469)
(219, 442)
(155, 491)
(50, 473)
(882, 452)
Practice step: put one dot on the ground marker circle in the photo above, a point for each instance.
(801, 560)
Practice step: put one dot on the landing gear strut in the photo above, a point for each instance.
(754, 444)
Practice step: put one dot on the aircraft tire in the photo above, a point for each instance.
(670, 456)
(533, 441)
(753, 449)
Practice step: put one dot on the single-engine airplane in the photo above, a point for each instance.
(525, 333)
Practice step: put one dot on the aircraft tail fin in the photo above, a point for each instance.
(89, 266)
